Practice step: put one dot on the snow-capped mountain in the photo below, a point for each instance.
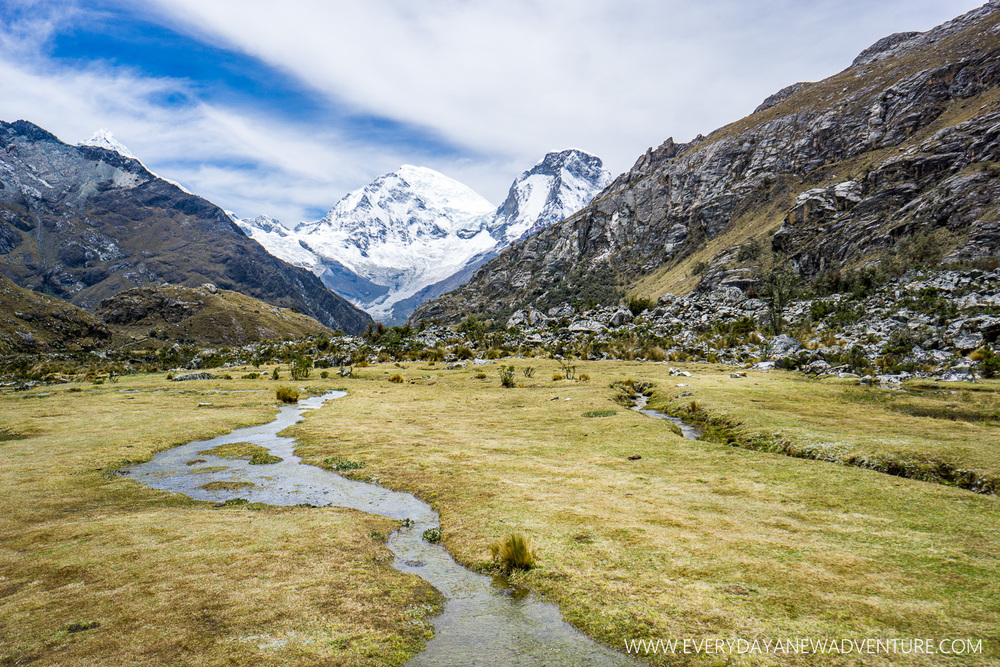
(559, 185)
(103, 138)
(412, 234)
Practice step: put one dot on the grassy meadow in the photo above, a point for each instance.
(692, 540)
(98, 570)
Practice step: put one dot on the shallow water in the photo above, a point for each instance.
(486, 621)
(687, 430)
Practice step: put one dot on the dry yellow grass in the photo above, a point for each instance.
(168, 580)
(694, 539)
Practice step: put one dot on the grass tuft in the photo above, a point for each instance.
(287, 395)
(514, 552)
(600, 413)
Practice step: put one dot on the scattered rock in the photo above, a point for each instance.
(193, 376)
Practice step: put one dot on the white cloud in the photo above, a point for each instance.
(522, 76)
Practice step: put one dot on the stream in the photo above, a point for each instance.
(486, 621)
(687, 430)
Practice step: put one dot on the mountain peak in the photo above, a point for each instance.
(560, 184)
(103, 138)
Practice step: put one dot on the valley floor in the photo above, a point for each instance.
(695, 540)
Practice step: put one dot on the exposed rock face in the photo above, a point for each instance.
(902, 142)
(85, 222)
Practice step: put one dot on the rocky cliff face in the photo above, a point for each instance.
(85, 222)
(828, 174)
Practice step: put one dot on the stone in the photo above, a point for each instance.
(193, 376)
(621, 318)
(783, 345)
(586, 325)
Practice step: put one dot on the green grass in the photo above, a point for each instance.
(243, 451)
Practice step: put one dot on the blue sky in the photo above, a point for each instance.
(282, 108)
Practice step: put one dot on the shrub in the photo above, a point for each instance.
(274, 374)
(338, 463)
(507, 376)
(287, 394)
(463, 352)
(398, 379)
(480, 376)
(583, 378)
(251, 376)
(656, 353)
(432, 535)
(637, 304)
(989, 362)
(301, 367)
(528, 371)
(556, 377)
(514, 552)
(325, 374)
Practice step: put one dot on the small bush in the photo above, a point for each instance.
(507, 376)
(528, 371)
(338, 463)
(637, 304)
(251, 376)
(480, 376)
(287, 394)
(463, 352)
(656, 353)
(325, 374)
(514, 552)
(398, 379)
(432, 535)
(170, 376)
(556, 377)
(583, 377)
(274, 374)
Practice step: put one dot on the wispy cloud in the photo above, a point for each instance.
(282, 108)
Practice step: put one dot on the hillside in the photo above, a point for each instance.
(86, 222)
(204, 315)
(822, 178)
(34, 323)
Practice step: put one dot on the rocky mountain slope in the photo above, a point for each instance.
(413, 234)
(203, 315)
(33, 323)
(822, 178)
(86, 222)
